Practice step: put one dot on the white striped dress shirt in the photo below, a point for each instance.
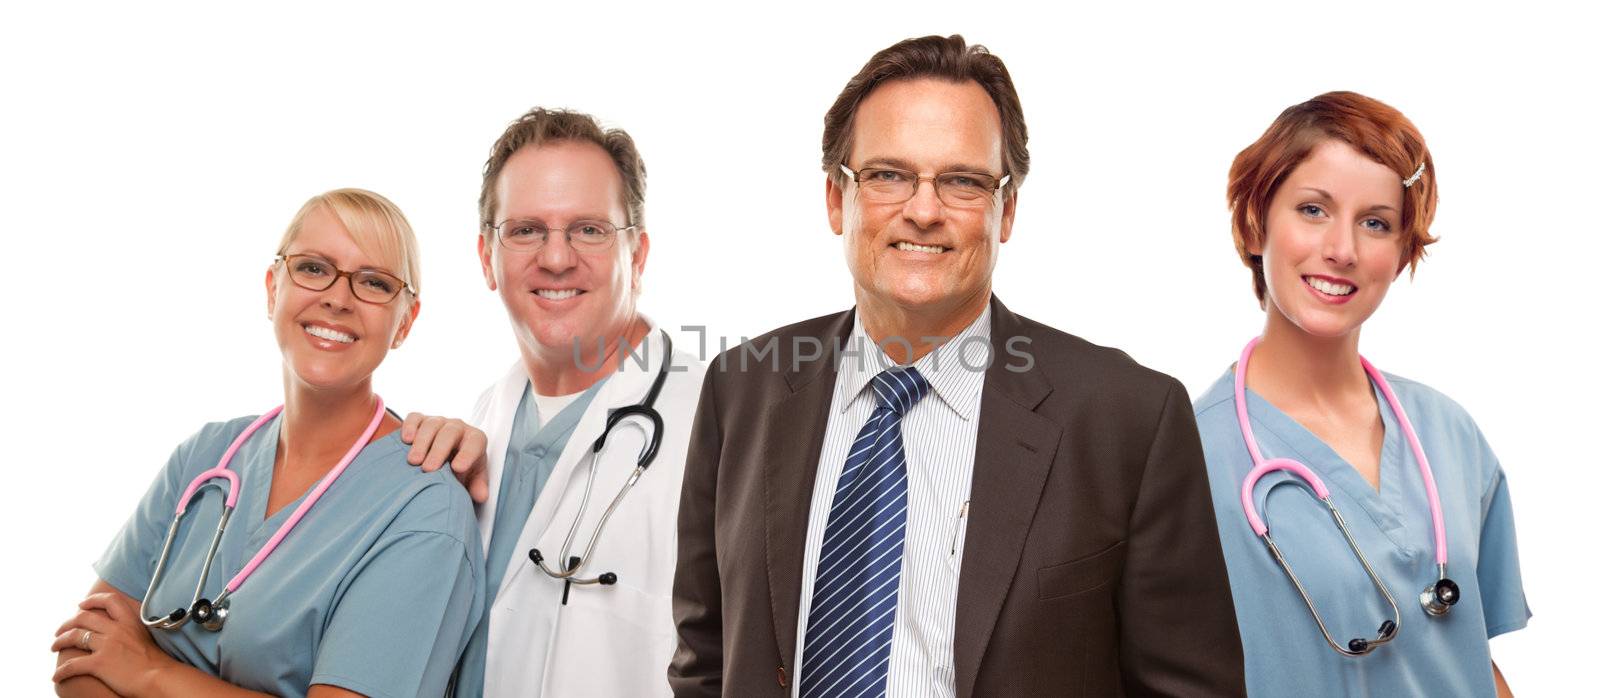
(941, 437)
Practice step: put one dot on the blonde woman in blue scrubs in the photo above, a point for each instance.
(1330, 206)
(375, 591)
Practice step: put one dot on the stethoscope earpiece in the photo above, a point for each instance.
(1440, 596)
(1362, 645)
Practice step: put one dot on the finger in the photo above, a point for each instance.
(114, 605)
(91, 619)
(77, 666)
(469, 453)
(444, 446)
(478, 489)
(424, 441)
(408, 428)
(68, 640)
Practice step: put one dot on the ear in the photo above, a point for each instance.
(272, 290)
(1007, 215)
(405, 324)
(486, 258)
(835, 199)
(641, 251)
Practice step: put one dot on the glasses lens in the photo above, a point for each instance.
(965, 188)
(311, 273)
(591, 235)
(374, 286)
(522, 234)
(886, 185)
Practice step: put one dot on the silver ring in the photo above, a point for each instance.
(83, 641)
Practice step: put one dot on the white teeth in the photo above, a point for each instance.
(1330, 288)
(330, 335)
(914, 247)
(555, 295)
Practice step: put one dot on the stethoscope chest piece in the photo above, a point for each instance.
(1440, 596)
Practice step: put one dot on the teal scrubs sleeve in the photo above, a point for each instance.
(1505, 607)
(402, 619)
(129, 561)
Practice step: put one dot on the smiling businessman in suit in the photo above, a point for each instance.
(930, 495)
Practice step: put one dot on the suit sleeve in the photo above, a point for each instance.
(1179, 633)
(696, 668)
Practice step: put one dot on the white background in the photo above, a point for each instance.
(150, 158)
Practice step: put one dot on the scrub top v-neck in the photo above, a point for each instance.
(1285, 653)
(376, 589)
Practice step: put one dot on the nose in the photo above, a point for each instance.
(339, 296)
(1339, 246)
(556, 255)
(924, 207)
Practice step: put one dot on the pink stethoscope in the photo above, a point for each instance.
(212, 614)
(1437, 598)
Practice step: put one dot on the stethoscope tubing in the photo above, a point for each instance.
(1263, 466)
(1436, 599)
(646, 408)
(222, 470)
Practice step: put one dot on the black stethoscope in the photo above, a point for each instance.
(645, 409)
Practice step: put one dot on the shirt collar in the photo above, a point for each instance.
(954, 369)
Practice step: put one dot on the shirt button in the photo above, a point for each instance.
(538, 451)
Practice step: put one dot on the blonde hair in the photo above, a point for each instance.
(375, 223)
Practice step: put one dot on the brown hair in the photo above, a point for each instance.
(1366, 124)
(948, 58)
(541, 126)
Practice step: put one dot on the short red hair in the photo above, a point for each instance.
(1366, 124)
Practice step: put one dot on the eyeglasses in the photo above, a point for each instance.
(317, 274)
(888, 185)
(527, 235)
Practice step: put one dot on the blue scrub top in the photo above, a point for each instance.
(1285, 653)
(376, 590)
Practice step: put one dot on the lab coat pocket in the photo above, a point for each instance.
(1083, 574)
(614, 641)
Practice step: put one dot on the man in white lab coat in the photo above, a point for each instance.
(563, 243)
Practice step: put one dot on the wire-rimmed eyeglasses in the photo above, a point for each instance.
(527, 235)
(891, 185)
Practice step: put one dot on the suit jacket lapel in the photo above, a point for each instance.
(1013, 458)
(799, 421)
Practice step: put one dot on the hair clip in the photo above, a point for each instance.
(1415, 175)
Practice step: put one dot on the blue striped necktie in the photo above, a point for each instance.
(857, 581)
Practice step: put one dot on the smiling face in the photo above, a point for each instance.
(330, 339)
(1333, 241)
(923, 256)
(557, 295)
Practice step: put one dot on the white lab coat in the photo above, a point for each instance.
(611, 640)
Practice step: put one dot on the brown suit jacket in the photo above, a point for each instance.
(1092, 565)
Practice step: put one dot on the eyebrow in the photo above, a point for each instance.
(1326, 195)
(329, 259)
(542, 221)
(903, 165)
